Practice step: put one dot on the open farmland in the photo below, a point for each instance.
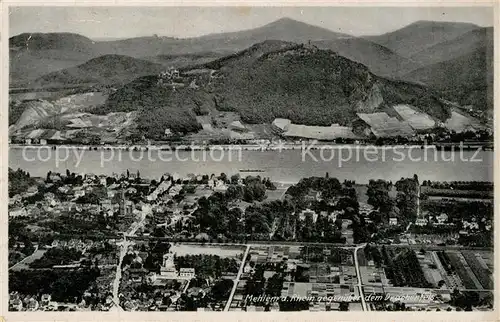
(480, 269)
(383, 125)
(459, 122)
(417, 120)
(463, 272)
(452, 193)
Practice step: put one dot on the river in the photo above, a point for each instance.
(359, 164)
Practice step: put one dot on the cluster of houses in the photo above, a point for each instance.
(471, 225)
(17, 302)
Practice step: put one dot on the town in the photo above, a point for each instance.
(225, 242)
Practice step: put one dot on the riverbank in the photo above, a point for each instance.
(315, 145)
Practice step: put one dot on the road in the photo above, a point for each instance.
(358, 273)
(418, 201)
(123, 245)
(29, 258)
(116, 283)
(235, 285)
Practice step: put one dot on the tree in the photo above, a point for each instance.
(235, 178)
(378, 195)
(221, 290)
(254, 191)
(235, 192)
(274, 285)
(344, 306)
(19, 181)
(223, 177)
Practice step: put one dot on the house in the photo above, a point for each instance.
(281, 124)
(109, 299)
(16, 305)
(32, 190)
(306, 213)
(442, 218)
(55, 177)
(111, 193)
(334, 215)
(137, 274)
(187, 272)
(45, 299)
(19, 212)
(64, 189)
(32, 304)
(291, 266)
(470, 225)
(106, 204)
(421, 222)
(247, 269)
(220, 186)
(393, 221)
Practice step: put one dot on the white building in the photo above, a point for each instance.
(187, 272)
(20, 212)
(421, 222)
(168, 270)
(442, 218)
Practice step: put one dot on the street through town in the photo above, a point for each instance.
(235, 285)
(123, 245)
(358, 273)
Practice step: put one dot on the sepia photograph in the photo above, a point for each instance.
(249, 159)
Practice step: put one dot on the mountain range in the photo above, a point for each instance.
(271, 71)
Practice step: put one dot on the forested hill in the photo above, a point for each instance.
(268, 80)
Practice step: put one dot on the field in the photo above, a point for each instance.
(275, 194)
(456, 193)
(461, 270)
(480, 269)
(417, 120)
(458, 122)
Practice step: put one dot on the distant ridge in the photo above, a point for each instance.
(51, 41)
(285, 29)
(421, 34)
(467, 79)
(456, 47)
(379, 59)
(103, 70)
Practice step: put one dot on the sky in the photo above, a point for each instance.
(183, 22)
